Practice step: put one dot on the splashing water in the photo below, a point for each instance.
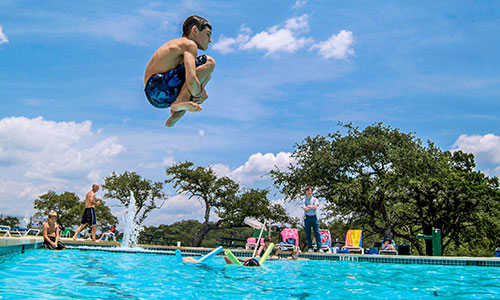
(132, 229)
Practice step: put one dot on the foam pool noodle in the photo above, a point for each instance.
(178, 255)
(232, 258)
(266, 254)
(211, 254)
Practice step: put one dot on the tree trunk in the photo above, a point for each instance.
(201, 234)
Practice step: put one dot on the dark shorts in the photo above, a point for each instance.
(89, 216)
(162, 89)
(59, 246)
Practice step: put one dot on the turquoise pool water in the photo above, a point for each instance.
(74, 274)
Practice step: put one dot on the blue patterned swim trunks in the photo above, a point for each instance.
(162, 89)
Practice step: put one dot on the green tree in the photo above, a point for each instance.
(146, 192)
(69, 209)
(388, 183)
(9, 221)
(222, 196)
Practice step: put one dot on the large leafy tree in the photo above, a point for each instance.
(70, 209)
(390, 184)
(222, 196)
(148, 194)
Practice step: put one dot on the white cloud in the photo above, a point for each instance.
(167, 161)
(256, 168)
(337, 46)
(3, 37)
(278, 38)
(486, 148)
(228, 45)
(299, 4)
(290, 38)
(285, 38)
(39, 155)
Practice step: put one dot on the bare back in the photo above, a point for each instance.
(169, 56)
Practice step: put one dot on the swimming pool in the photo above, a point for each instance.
(74, 274)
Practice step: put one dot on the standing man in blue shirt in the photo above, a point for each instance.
(311, 219)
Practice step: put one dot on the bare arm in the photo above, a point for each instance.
(192, 81)
(57, 234)
(45, 234)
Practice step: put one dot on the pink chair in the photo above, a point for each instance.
(252, 242)
(290, 240)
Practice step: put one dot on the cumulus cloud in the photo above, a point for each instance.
(286, 38)
(486, 148)
(289, 37)
(3, 37)
(299, 4)
(38, 155)
(228, 45)
(337, 46)
(256, 168)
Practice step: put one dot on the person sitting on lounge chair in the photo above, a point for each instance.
(387, 244)
(108, 233)
(51, 233)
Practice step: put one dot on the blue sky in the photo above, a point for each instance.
(73, 107)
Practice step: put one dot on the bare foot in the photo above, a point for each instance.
(187, 105)
(174, 118)
(74, 238)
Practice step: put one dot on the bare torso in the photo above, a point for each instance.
(167, 57)
(51, 228)
(90, 200)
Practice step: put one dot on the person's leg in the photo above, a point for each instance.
(80, 228)
(317, 235)
(307, 228)
(185, 101)
(94, 229)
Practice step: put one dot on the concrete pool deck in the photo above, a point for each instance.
(15, 245)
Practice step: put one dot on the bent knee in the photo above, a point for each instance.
(210, 62)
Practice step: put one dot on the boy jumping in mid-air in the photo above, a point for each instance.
(175, 77)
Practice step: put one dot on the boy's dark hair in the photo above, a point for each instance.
(251, 263)
(198, 21)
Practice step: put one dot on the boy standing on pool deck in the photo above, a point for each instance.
(175, 77)
(89, 213)
(310, 218)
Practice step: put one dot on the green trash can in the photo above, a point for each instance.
(404, 249)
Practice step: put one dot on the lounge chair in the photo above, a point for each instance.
(66, 233)
(326, 241)
(110, 235)
(290, 240)
(387, 251)
(354, 241)
(252, 241)
(5, 230)
(22, 232)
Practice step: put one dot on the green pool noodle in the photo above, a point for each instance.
(266, 254)
(232, 258)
